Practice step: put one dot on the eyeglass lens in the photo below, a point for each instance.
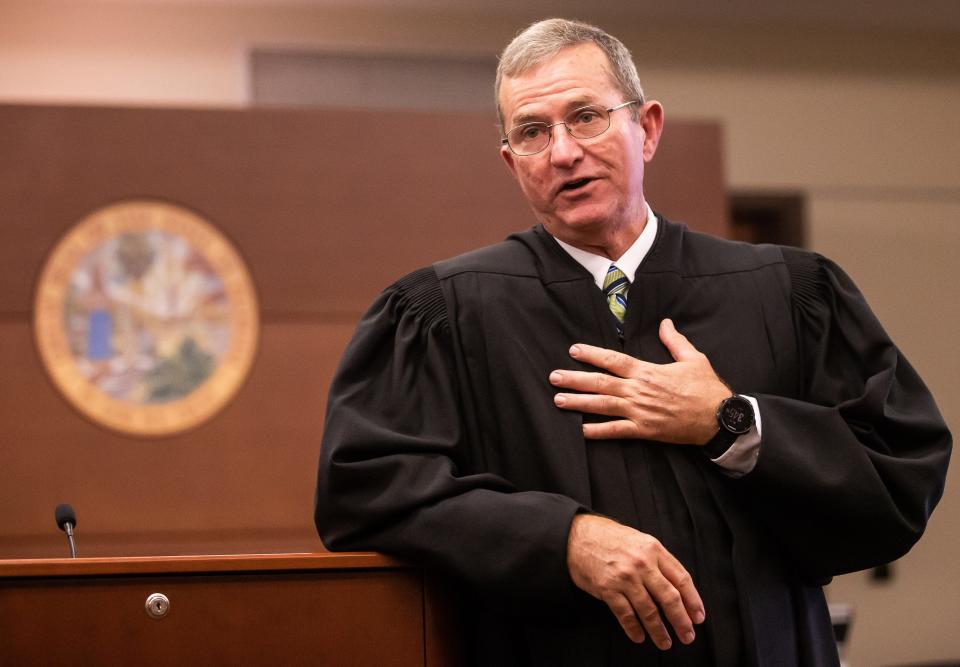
(584, 123)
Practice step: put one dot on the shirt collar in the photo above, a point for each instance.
(597, 265)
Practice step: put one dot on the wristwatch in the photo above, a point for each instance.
(734, 418)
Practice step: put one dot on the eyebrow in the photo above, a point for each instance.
(523, 119)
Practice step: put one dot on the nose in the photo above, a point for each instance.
(565, 151)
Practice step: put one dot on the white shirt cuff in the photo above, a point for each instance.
(743, 453)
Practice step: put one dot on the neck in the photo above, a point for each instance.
(610, 238)
(609, 243)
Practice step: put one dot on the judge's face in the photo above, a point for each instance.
(584, 191)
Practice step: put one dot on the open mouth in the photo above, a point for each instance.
(575, 185)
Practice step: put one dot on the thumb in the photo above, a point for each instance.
(679, 347)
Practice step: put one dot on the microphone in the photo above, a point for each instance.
(66, 521)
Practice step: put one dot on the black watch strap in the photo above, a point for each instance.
(735, 417)
(718, 445)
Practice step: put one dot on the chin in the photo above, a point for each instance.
(584, 224)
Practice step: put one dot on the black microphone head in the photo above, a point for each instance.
(65, 515)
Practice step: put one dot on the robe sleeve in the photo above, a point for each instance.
(394, 472)
(850, 471)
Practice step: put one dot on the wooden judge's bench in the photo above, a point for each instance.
(268, 609)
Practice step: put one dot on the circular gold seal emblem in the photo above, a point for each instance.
(146, 318)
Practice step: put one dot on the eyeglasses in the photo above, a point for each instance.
(582, 123)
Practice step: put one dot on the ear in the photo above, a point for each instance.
(509, 158)
(652, 122)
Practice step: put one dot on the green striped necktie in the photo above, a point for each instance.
(615, 286)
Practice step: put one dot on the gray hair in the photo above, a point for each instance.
(545, 39)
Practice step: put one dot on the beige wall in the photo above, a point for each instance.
(864, 123)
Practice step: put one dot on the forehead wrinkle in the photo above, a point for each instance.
(572, 105)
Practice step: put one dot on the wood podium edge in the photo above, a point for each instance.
(209, 564)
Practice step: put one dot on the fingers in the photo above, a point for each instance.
(606, 397)
(674, 607)
(595, 404)
(647, 611)
(643, 608)
(594, 383)
(620, 429)
(683, 582)
(627, 616)
(618, 363)
(635, 423)
(676, 343)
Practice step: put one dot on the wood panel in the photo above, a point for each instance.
(242, 482)
(303, 194)
(327, 207)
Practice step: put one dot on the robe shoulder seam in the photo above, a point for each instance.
(492, 272)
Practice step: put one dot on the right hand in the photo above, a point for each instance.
(637, 578)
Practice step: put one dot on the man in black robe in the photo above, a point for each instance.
(530, 418)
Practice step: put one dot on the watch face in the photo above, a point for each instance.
(737, 415)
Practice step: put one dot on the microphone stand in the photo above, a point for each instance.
(68, 528)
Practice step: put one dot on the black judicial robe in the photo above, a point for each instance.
(442, 445)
